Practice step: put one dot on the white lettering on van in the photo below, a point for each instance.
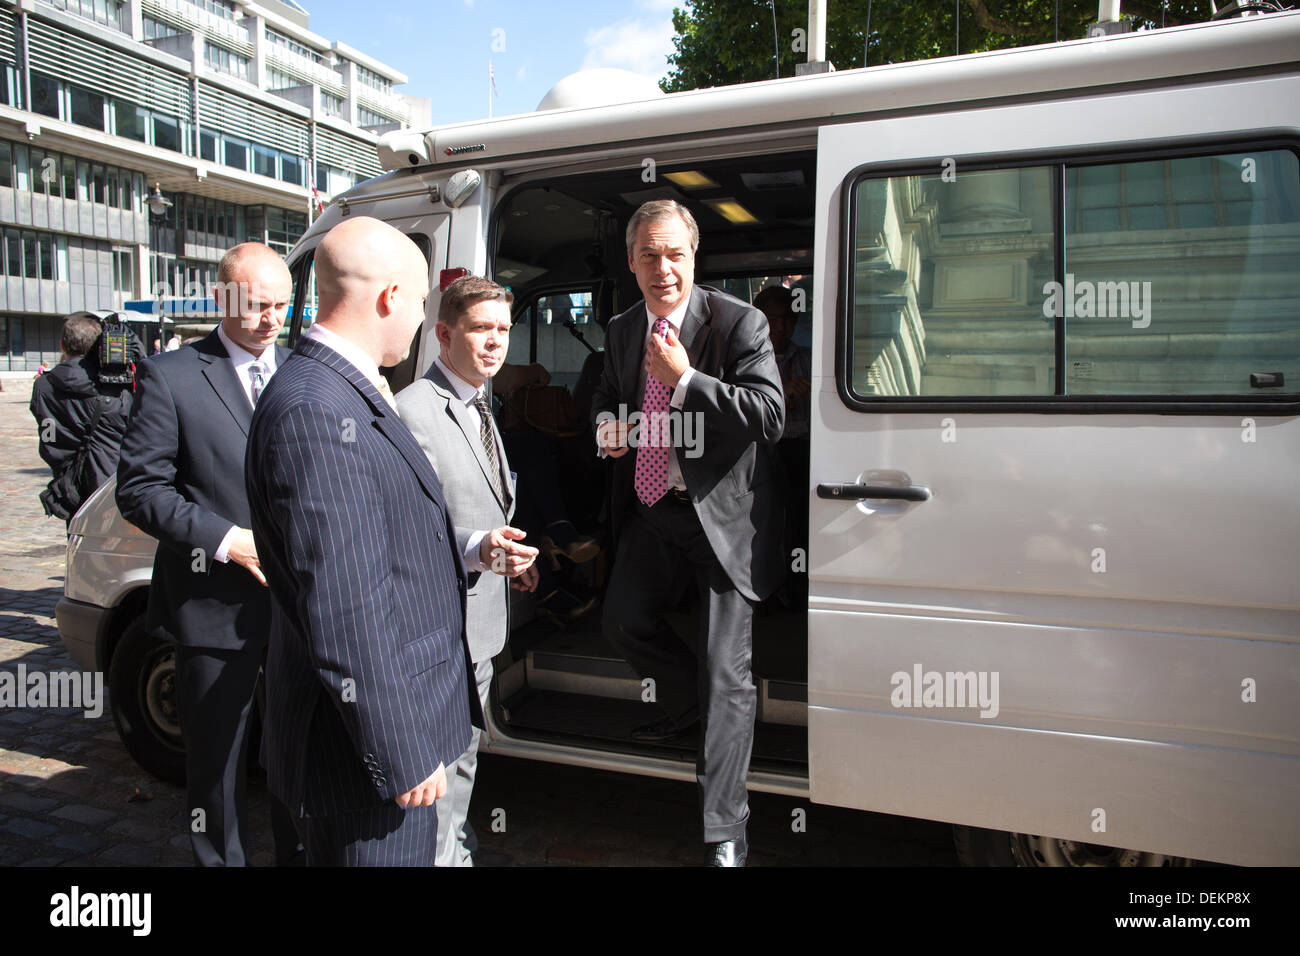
(955, 689)
(1248, 430)
(949, 174)
(1248, 690)
(1248, 169)
(1098, 820)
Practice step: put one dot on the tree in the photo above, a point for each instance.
(720, 42)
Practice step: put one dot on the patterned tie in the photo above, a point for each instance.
(651, 477)
(488, 438)
(387, 392)
(255, 375)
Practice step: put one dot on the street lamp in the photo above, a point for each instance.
(158, 206)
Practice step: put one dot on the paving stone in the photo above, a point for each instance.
(80, 813)
(131, 854)
(78, 842)
(30, 802)
(32, 829)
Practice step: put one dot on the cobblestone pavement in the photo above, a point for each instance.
(70, 795)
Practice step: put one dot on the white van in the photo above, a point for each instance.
(1053, 302)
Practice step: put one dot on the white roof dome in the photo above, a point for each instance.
(599, 88)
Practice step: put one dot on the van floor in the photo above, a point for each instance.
(581, 691)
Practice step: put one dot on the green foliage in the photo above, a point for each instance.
(720, 42)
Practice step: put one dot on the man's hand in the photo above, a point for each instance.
(612, 438)
(527, 581)
(798, 387)
(423, 795)
(500, 552)
(244, 553)
(666, 358)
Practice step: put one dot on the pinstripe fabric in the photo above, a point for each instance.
(368, 677)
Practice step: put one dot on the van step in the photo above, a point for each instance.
(583, 663)
(608, 723)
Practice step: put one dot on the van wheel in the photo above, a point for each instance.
(976, 847)
(142, 692)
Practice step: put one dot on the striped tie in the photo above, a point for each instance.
(255, 375)
(489, 440)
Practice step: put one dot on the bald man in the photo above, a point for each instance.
(180, 479)
(370, 693)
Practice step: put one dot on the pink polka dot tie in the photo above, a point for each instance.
(651, 477)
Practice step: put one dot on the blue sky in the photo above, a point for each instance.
(444, 46)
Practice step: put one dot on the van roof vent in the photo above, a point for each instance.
(599, 88)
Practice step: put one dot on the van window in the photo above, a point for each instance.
(558, 330)
(1176, 276)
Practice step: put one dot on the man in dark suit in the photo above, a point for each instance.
(448, 413)
(180, 479)
(369, 688)
(698, 496)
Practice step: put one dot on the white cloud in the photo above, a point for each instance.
(631, 45)
(470, 4)
(660, 6)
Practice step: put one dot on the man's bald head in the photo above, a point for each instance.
(372, 283)
(252, 293)
(363, 254)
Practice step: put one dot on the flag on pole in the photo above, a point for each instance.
(493, 77)
(315, 197)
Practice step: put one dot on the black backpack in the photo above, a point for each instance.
(65, 494)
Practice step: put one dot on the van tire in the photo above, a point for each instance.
(976, 847)
(142, 694)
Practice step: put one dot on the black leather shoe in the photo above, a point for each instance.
(662, 730)
(730, 852)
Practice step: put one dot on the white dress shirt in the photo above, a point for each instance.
(356, 355)
(241, 359)
(468, 394)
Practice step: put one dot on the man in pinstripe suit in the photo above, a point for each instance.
(369, 693)
(447, 411)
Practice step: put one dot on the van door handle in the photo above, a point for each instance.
(856, 492)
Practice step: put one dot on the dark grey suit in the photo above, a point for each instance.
(180, 479)
(729, 535)
(449, 432)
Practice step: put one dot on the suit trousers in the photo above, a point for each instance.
(456, 838)
(214, 698)
(659, 549)
(382, 835)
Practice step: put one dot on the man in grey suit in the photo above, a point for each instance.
(449, 414)
(698, 497)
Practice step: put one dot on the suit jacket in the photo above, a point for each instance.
(179, 479)
(368, 680)
(448, 431)
(735, 394)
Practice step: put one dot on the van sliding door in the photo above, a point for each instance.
(1054, 536)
